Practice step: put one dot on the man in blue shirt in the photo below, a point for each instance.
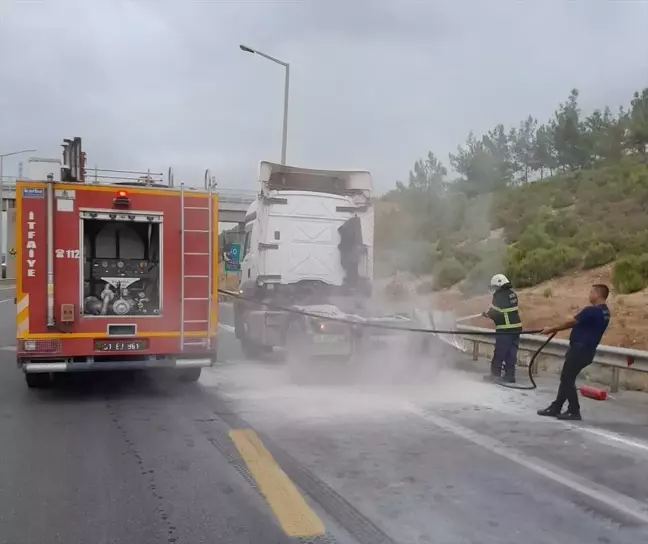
(587, 328)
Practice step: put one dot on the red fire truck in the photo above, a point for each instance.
(114, 276)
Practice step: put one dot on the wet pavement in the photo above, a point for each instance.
(396, 451)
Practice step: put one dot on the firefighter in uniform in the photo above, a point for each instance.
(505, 314)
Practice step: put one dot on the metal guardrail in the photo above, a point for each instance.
(236, 195)
(609, 356)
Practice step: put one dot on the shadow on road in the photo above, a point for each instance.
(106, 385)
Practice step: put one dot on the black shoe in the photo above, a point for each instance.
(549, 412)
(506, 379)
(490, 378)
(570, 416)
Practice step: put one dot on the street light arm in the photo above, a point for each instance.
(17, 152)
(257, 52)
(284, 135)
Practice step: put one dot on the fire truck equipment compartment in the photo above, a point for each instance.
(122, 260)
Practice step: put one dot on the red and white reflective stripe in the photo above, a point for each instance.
(22, 315)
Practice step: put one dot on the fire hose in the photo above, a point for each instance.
(385, 326)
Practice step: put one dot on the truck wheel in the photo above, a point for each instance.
(190, 375)
(252, 350)
(38, 381)
(294, 341)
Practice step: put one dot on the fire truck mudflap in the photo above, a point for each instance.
(114, 276)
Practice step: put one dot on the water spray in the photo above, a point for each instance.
(359, 322)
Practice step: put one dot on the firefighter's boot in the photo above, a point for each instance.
(551, 411)
(495, 373)
(509, 376)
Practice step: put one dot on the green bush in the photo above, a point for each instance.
(561, 225)
(562, 199)
(448, 273)
(466, 256)
(425, 287)
(627, 275)
(541, 264)
(643, 267)
(599, 254)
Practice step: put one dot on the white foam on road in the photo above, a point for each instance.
(227, 328)
(381, 388)
(267, 390)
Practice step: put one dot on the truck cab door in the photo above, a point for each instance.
(248, 264)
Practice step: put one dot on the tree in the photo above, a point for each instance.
(544, 152)
(478, 167)
(605, 135)
(638, 122)
(568, 134)
(524, 147)
(428, 175)
(420, 199)
(498, 144)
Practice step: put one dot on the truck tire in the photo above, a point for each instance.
(190, 375)
(294, 341)
(239, 320)
(252, 350)
(38, 381)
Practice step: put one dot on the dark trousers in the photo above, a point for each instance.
(578, 356)
(505, 354)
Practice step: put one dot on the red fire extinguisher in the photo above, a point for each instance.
(593, 392)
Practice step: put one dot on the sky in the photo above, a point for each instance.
(375, 84)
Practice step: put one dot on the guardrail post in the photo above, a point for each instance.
(475, 350)
(614, 386)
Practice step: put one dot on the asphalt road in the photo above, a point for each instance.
(392, 452)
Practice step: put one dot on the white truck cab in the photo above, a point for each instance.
(308, 242)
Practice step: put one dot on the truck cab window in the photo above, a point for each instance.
(246, 246)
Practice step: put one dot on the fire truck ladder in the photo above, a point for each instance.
(193, 275)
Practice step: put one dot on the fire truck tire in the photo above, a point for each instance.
(38, 381)
(190, 375)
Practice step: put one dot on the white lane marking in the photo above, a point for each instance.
(6, 300)
(7, 288)
(618, 440)
(610, 498)
(614, 437)
(227, 328)
(7, 348)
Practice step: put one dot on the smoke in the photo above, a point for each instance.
(383, 383)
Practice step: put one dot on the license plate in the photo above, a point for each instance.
(329, 338)
(121, 345)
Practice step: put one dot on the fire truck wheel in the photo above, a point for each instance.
(190, 375)
(38, 381)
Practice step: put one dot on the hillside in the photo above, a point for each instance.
(552, 301)
(537, 231)
(536, 201)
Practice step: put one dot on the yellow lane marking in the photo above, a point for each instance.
(289, 506)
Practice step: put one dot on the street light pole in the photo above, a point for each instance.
(2, 234)
(284, 138)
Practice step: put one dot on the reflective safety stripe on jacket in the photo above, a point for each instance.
(504, 310)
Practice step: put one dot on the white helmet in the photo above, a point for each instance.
(498, 280)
